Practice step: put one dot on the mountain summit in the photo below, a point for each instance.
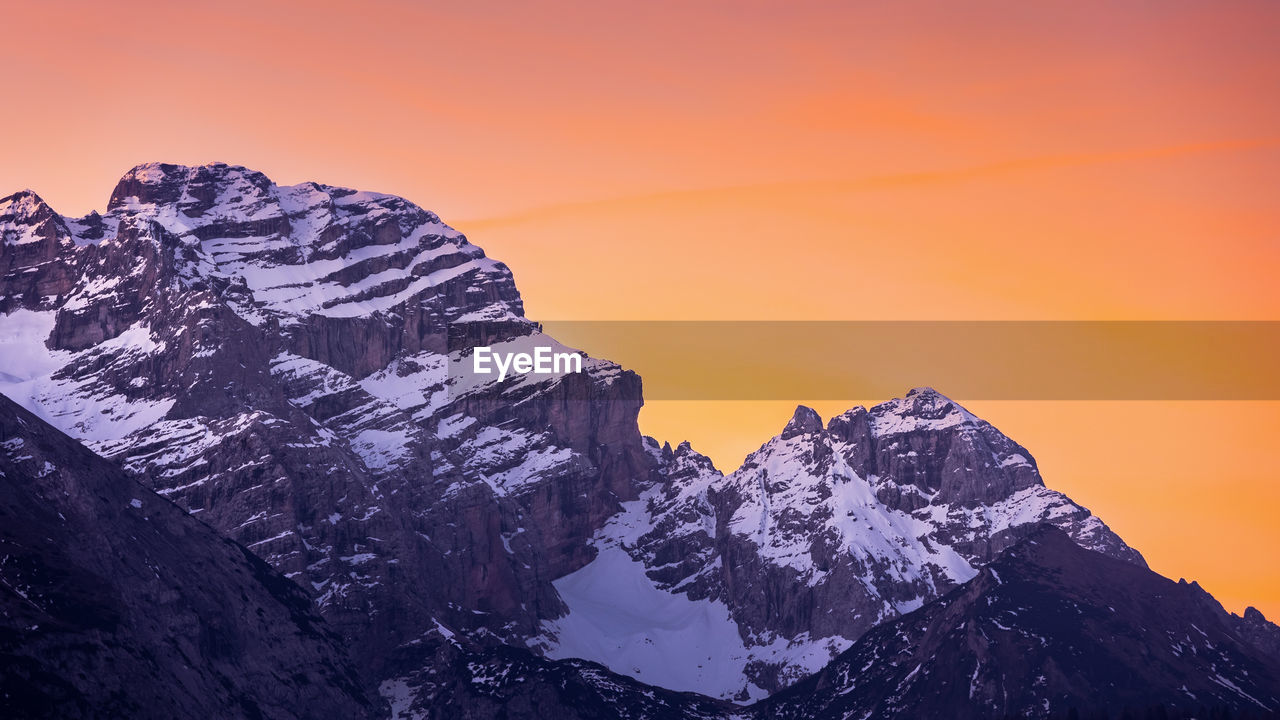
(276, 361)
(805, 420)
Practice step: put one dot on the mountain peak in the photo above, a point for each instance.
(805, 420)
(157, 172)
(923, 407)
(926, 399)
(22, 199)
(25, 217)
(163, 183)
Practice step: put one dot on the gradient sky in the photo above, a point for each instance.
(753, 160)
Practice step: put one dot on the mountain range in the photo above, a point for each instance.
(237, 450)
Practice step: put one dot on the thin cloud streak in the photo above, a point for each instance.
(1030, 164)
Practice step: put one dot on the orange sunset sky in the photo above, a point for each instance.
(763, 161)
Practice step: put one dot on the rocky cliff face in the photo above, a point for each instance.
(277, 361)
(116, 603)
(1047, 630)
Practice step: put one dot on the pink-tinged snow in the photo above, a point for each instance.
(898, 415)
(294, 272)
(787, 507)
(1030, 505)
(21, 207)
(304, 289)
(83, 408)
(413, 383)
(93, 290)
(377, 431)
(618, 618)
(382, 449)
(316, 379)
(400, 696)
(173, 447)
(509, 459)
(23, 354)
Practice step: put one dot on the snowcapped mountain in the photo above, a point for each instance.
(823, 533)
(276, 361)
(281, 362)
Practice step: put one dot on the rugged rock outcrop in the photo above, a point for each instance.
(1254, 626)
(114, 602)
(32, 241)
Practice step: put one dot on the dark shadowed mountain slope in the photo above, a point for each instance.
(1252, 626)
(460, 679)
(1262, 632)
(115, 603)
(1046, 629)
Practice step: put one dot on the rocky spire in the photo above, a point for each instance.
(804, 420)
